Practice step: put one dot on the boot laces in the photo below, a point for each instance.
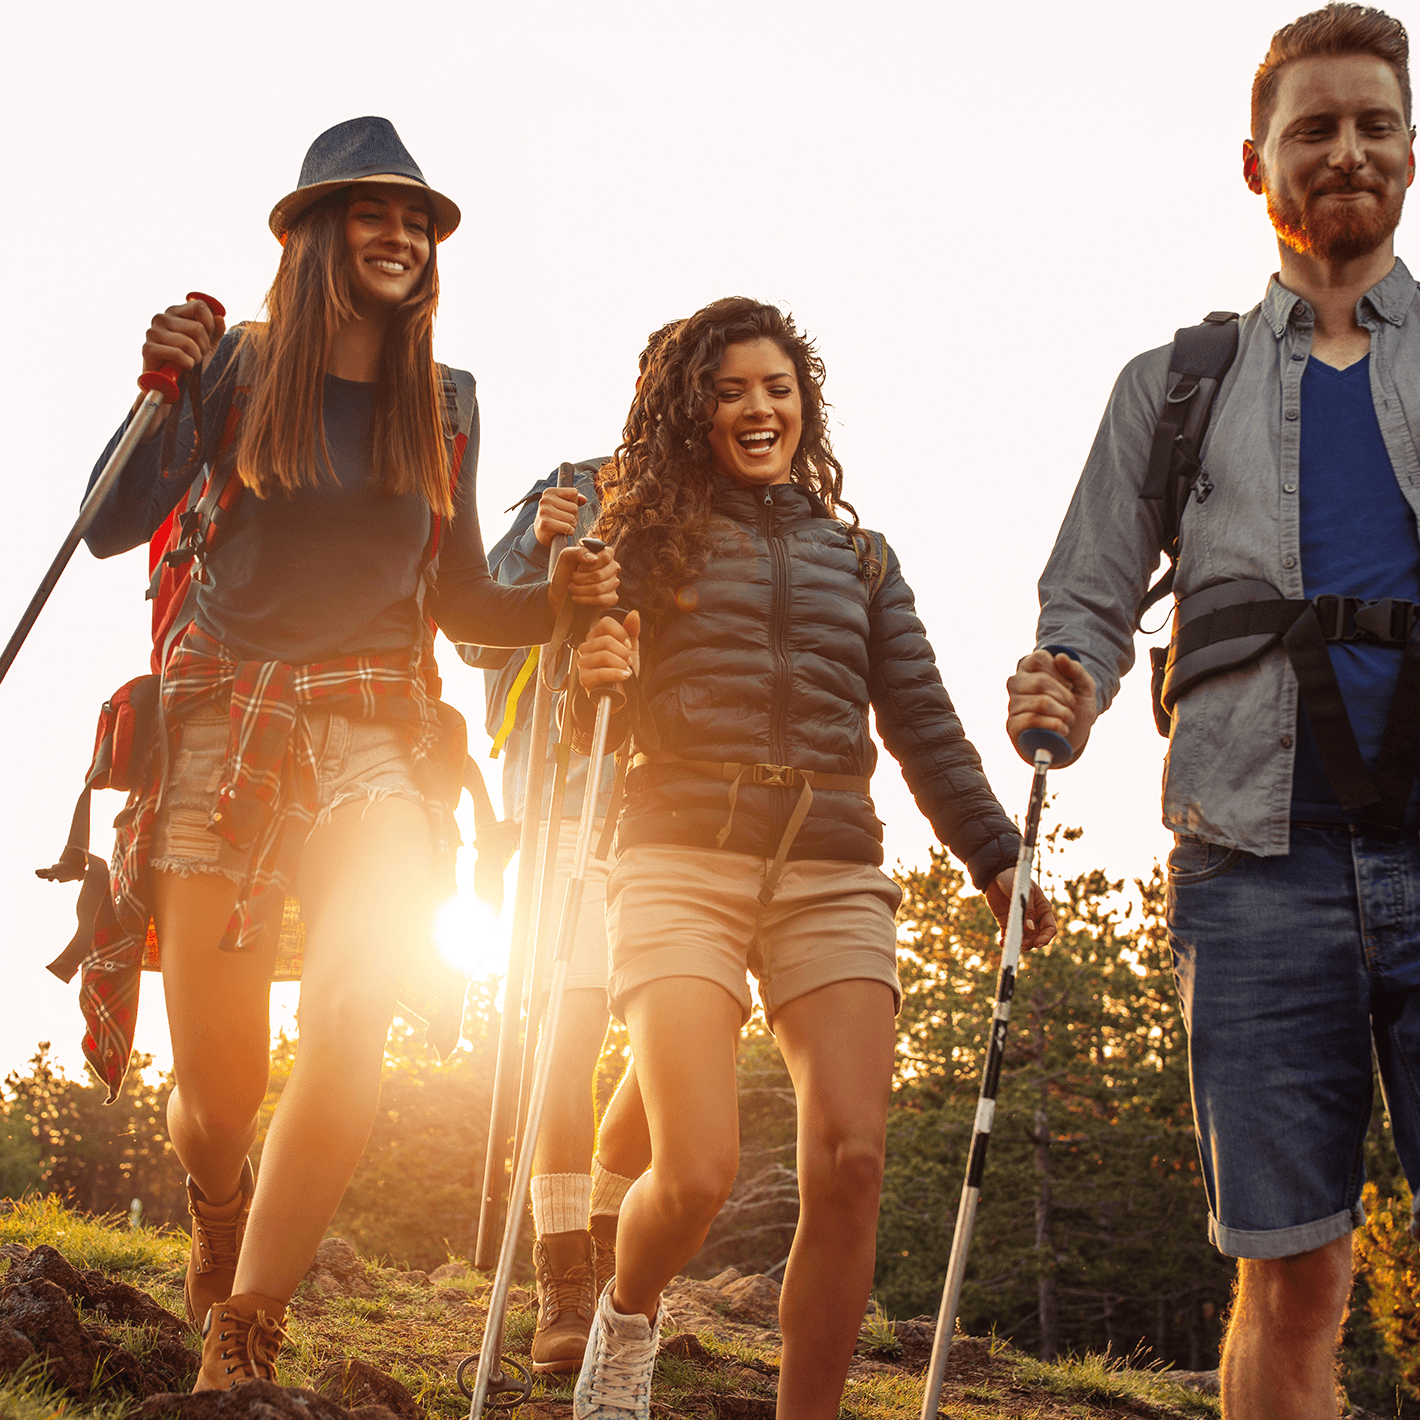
(218, 1243)
(255, 1351)
(623, 1369)
(567, 1291)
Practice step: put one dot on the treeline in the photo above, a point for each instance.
(1092, 1231)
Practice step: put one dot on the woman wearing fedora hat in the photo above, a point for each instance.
(304, 749)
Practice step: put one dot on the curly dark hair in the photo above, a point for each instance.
(656, 489)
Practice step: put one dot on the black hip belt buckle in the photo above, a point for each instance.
(1388, 620)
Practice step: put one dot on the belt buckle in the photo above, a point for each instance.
(776, 776)
(1379, 618)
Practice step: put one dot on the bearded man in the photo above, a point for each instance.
(1294, 885)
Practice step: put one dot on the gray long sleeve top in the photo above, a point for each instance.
(1228, 772)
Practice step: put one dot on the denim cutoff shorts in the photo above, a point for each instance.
(356, 760)
(1288, 968)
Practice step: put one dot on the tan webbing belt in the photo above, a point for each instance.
(777, 776)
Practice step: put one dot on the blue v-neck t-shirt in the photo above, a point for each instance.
(1358, 539)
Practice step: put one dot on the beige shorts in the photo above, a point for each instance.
(696, 912)
(588, 968)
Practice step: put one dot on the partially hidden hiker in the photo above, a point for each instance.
(766, 623)
(303, 749)
(1292, 691)
(581, 1171)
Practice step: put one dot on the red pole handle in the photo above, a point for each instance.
(165, 378)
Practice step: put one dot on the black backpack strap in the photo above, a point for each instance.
(1202, 356)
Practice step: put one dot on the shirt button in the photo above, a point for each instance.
(1299, 357)
(1289, 561)
(1285, 742)
(1289, 487)
(1291, 414)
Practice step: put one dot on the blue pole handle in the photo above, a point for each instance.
(1057, 746)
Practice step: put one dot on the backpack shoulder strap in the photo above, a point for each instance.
(871, 548)
(460, 393)
(1202, 355)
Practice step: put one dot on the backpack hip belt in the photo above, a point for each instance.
(1232, 624)
(780, 776)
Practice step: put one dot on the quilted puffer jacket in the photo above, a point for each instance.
(773, 655)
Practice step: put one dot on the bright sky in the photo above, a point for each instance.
(980, 213)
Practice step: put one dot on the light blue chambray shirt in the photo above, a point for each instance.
(1228, 772)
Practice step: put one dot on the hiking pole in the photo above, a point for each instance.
(1046, 748)
(492, 1379)
(542, 931)
(502, 1117)
(160, 387)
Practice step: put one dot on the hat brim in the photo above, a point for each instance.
(286, 212)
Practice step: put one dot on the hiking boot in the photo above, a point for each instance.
(603, 1231)
(565, 1300)
(216, 1241)
(615, 1383)
(240, 1339)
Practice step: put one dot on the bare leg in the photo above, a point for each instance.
(1279, 1357)
(624, 1139)
(568, 1134)
(219, 1016)
(366, 897)
(684, 1031)
(838, 1043)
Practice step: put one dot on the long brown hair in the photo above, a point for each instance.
(657, 488)
(282, 435)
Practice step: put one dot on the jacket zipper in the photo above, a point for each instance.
(778, 627)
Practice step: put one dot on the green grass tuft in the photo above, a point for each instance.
(108, 1244)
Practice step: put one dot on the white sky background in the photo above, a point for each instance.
(980, 212)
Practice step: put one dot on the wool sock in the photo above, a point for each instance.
(561, 1202)
(608, 1189)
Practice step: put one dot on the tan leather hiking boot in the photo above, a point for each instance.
(603, 1231)
(240, 1340)
(565, 1300)
(216, 1241)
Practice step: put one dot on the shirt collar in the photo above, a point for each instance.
(1390, 299)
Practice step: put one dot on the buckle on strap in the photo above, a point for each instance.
(1387, 619)
(776, 776)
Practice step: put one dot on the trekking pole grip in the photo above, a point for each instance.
(165, 378)
(1056, 746)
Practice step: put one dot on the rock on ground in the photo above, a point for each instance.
(38, 1302)
(357, 1384)
(256, 1400)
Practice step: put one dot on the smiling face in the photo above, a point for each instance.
(1337, 157)
(758, 415)
(387, 237)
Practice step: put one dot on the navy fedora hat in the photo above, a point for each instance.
(358, 150)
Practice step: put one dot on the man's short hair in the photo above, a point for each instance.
(1339, 29)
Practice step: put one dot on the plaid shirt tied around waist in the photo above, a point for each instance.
(265, 806)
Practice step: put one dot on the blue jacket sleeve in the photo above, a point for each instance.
(143, 495)
(468, 604)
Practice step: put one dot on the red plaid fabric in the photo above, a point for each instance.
(265, 805)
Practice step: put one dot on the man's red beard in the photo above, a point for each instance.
(1336, 231)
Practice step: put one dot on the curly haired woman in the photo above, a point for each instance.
(765, 626)
(303, 749)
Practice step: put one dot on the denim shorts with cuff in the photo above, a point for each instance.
(1287, 968)
(356, 760)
